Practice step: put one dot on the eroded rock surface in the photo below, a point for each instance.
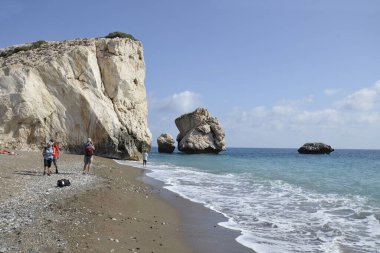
(165, 143)
(199, 133)
(72, 90)
(315, 148)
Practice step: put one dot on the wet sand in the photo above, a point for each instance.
(111, 210)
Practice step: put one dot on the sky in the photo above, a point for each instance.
(275, 73)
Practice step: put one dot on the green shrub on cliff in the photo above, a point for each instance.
(27, 47)
(120, 35)
(38, 43)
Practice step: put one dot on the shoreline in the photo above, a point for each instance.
(200, 224)
(118, 208)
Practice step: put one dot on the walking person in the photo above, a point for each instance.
(47, 153)
(89, 149)
(145, 158)
(55, 155)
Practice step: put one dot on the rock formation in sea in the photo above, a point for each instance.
(199, 132)
(165, 143)
(74, 89)
(315, 148)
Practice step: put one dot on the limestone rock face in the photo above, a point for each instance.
(315, 148)
(72, 90)
(199, 132)
(165, 143)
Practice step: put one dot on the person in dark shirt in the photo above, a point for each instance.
(89, 149)
(47, 153)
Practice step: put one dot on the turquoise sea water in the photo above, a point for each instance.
(282, 201)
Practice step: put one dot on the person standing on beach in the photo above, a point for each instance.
(47, 153)
(145, 158)
(89, 149)
(55, 155)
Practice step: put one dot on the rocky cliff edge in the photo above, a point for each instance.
(74, 89)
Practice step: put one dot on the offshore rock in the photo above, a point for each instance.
(74, 89)
(165, 143)
(315, 148)
(199, 132)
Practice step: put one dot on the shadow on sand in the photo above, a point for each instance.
(39, 173)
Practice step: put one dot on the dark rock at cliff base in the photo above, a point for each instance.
(165, 143)
(199, 132)
(315, 148)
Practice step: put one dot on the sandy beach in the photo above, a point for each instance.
(110, 210)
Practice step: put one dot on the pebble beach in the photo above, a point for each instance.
(106, 211)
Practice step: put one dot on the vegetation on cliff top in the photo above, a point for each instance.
(39, 43)
(27, 47)
(120, 35)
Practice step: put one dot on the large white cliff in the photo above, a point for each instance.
(71, 90)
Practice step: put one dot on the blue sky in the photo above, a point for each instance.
(275, 73)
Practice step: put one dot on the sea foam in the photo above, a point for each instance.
(274, 215)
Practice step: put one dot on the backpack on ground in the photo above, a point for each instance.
(89, 150)
(63, 182)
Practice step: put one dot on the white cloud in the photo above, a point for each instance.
(182, 102)
(352, 121)
(363, 100)
(163, 111)
(283, 110)
(319, 117)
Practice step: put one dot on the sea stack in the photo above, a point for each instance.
(165, 143)
(199, 132)
(315, 148)
(74, 89)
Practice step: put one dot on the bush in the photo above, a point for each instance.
(38, 43)
(21, 48)
(28, 47)
(120, 35)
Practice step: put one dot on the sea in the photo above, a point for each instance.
(282, 201)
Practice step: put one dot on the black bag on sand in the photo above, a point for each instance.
(63, 182)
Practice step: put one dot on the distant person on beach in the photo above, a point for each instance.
(145, 158)
(47, 153)
(55, 155)
(89, 149)
(6, 152)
